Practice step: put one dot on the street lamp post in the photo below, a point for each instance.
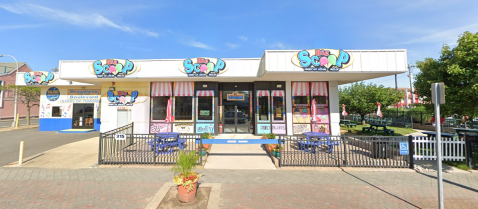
(16, 95)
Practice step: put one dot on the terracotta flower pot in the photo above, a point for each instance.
(183, 194)
(207, 146)
(273, 146)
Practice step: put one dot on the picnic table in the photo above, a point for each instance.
(377, 128)
(314, 140)
(467, 132)
(166, 141)
(347, 123)
(434, 134)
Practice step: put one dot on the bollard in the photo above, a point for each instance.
(16, 121)
(20, 155)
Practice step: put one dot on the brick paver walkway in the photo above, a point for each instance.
(134, 188)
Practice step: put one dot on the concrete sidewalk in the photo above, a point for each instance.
(135, 188)
(81, 154)
(238, 156)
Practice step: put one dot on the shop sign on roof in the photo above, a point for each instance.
(203, 67)
(322, 59)
(112, 68)
(124, 98)
(38, 78)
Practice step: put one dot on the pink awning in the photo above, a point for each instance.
(205, 93)
(278, 93)
(184, 89)
(263, 93)
(159, 89)
(300, 88)
(319, 88)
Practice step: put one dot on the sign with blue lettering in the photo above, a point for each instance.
(322, 59)
(404, 148)
(120, 137)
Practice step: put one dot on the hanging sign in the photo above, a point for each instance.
(203, 67)
(235, 97)
(113, 68)
(38, 78)
(322, 59)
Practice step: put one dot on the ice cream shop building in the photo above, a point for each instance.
(284, 92)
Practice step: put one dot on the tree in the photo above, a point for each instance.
(362, 98)
(457, 68)
(27, 95)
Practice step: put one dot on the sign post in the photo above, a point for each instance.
(438, 97)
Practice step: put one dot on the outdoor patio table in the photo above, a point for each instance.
(166, 140)
(310, 145)
(433, 134)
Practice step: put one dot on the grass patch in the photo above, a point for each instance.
(399, 131)
(458, 164)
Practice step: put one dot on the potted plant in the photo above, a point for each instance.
(202, 151)
(276, 151)
(184, 176)
(207, 135)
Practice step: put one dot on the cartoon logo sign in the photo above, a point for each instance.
(235, 97)
(113, 68)
(322, 59)
(38, 78)
(203, 67)
(53, 94)
(123, 98)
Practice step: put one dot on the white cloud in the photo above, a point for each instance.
(89, 20)
(232, 46)
(242, 38)
(447, 36)
(192, 42)
(12, 27)
(280, 45)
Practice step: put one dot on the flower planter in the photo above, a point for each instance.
(184, 195)
(202, 153)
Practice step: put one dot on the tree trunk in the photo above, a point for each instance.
(363, 119)
(28, 115)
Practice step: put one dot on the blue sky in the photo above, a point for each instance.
(43, 32)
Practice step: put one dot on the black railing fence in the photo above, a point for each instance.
(345, 151)
(123, 146)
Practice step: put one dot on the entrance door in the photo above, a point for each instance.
(83, 116)
(236, 113)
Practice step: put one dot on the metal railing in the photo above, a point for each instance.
(123, 146)
(342, 151)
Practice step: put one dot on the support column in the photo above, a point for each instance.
(288, 107)
(334, 108)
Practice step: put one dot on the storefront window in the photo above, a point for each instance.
(301, 100)
(183, 108)
(159, 105)
(278, 108)
(205, 108)
(263, 105)
(320, 100)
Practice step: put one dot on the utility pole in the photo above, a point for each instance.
(411, 83)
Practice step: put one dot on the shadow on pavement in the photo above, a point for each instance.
(379, 188)
(452, 183)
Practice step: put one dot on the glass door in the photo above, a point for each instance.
(236, 113)
(83, 116)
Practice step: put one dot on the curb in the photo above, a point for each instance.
(19, 128)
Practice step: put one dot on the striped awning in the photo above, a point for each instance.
(159, 89)
(300, 88)
(205, 93)
(263, 93)
(278, 93)
(319, 88)
(184, 89)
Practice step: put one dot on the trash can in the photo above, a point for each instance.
(379, 147)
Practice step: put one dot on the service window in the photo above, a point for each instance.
(321, 100)
(205, 106)
(56, 111)
(159, 106)
(183, 108)
(300, 102)
(263, 106)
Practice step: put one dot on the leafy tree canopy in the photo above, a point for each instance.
(362, 98)
(457, 68)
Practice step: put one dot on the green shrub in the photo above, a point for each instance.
(269, 136)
